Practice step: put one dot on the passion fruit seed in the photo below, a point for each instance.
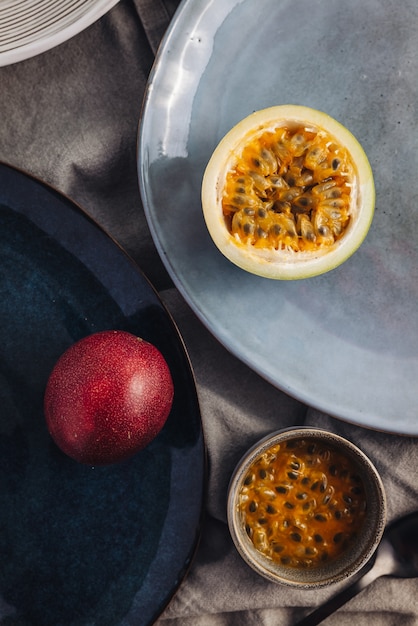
(289, 189)
(306, 518)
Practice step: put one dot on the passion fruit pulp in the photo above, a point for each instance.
(288, 193)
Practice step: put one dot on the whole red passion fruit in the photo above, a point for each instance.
(107, 397)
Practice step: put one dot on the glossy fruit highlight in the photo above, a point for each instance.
(288, 193)
(107, 397)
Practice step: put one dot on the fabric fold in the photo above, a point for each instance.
(155, 16)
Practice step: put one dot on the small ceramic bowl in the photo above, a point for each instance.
(306, 507)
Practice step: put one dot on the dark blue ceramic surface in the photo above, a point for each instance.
(83, 545)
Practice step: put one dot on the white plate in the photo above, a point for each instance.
(29, 27)
(345, 342)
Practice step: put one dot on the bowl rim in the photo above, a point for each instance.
(265, 566)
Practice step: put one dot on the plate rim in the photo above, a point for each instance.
(55, 34)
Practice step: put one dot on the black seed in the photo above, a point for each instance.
(335, 164)
(338, 537)
(315, 485)
(311, 448)
(305, 481)
(285, 560)
(278, 548)
(310, 551)
(302, 496)
(295, 465)
(293, 475)
(326, 499)
(289, 505)
(296, 537)
(279, 207)
(248, 530)
(281, 489)
(338, 514)
(240, 190)
(333, 470)
(249, 211)
(318, 538)
(291, 444)
(257, 163)
(262, 473)
(320, 518)
(324, 556)
(248, 479)
(306, 506)
(262, 213)
(253, 506)
(347, 498)
(262, 520)
(313, 152)
(248, 229)
(270, 509)
(323, 486)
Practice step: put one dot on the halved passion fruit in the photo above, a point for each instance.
(288, 193)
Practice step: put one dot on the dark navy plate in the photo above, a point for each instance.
(83, 545)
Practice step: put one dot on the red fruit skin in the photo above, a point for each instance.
(107, 397)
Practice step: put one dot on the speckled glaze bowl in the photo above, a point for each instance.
(306, 507)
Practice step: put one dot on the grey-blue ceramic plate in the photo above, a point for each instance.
(345, 342)
(84, 545)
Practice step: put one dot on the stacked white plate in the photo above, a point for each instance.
(29, 27)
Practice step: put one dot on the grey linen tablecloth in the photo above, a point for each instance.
(70, 117)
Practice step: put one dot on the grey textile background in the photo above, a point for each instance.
(70, 116)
